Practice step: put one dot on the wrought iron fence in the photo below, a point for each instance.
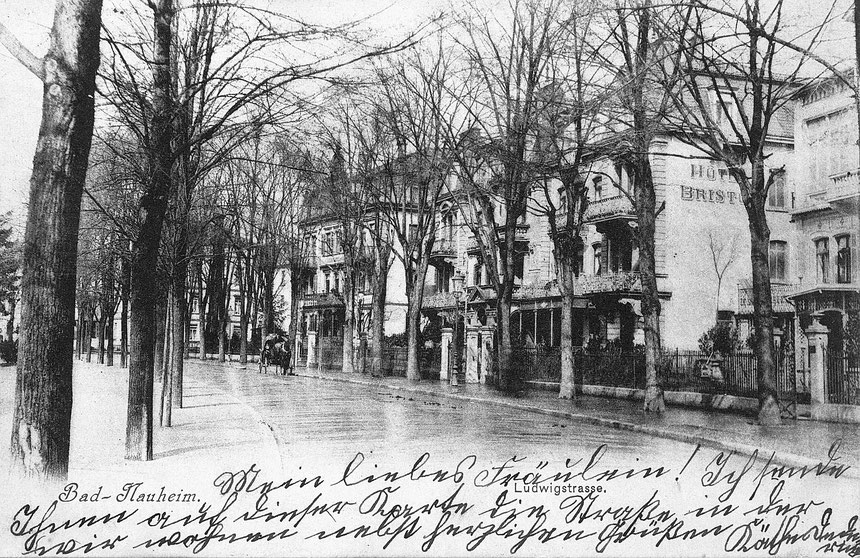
(430, 362)
(678, 370)
(610, 368)
(394, 361)
(537, 363)
(330, 357)
(842, 380)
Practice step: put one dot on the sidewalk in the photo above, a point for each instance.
(797, 443)
(213, 432)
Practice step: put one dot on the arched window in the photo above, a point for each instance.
(776, 193)
(776, 258)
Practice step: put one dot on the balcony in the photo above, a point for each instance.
(778, 296)
(619, 282)
(444, 248)
(844, 192)
(520, 239)
(438, 300)
(309, 261)
(608, 209)
(320, 300)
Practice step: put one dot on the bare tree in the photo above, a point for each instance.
(567, 144)
(639, 46)
(723, 255)
(43, 393)
(744, 68)
(508, 56)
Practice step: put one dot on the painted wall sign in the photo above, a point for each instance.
(708, 195)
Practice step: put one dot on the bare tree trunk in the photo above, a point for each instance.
(201, 313)
(646, 209)
(567, 386)
(110, 304)
(244, 287)
(88, 337)
(110, 345)
(43, 388)
(161, 316)
(179, 320)
(348, 366)
(768, 397)
(79, 349)
(10, 324)
(165, 408)
(295, 293)
(123, 320)
(507, 376)
(377, 313)
(413, 323)
(102, 324)
(138, 444)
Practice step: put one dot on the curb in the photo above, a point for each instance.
(783, 459)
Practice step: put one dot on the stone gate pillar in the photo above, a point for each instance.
(487, 353)
(312, 348)
(445, 360)
(472, 354)
(816, 333)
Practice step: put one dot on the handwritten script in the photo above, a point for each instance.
(712, 501)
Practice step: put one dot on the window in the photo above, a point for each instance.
(478, 273)
(519, 268)
(598, 184)
(413, 233)
(726, 115)
(443, 277)
(327, 282)
(598, 254)
(562, 202)
(776, 259)
(776, 194)
(843, 259)
(337, 282)
(822, 258)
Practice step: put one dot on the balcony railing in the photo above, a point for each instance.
(600, 210)
(322, 299)
(844, 194)
(849, 181)
(618, 282)
(778, 294)
(443, 248)
(438, 300)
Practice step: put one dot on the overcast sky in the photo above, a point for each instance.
(30, 20)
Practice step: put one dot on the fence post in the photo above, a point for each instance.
(816, 333)
(312, 348)
(445, 358)
(472, 349)
(487, 352)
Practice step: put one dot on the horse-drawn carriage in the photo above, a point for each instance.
(277, 351)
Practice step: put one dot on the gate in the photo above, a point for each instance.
(842, 378)
(786, 383)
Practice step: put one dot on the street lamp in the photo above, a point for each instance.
(458, 286)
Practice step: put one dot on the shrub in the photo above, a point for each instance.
(721, 338)
(9, 351)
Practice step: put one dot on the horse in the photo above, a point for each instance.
(276, 350)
